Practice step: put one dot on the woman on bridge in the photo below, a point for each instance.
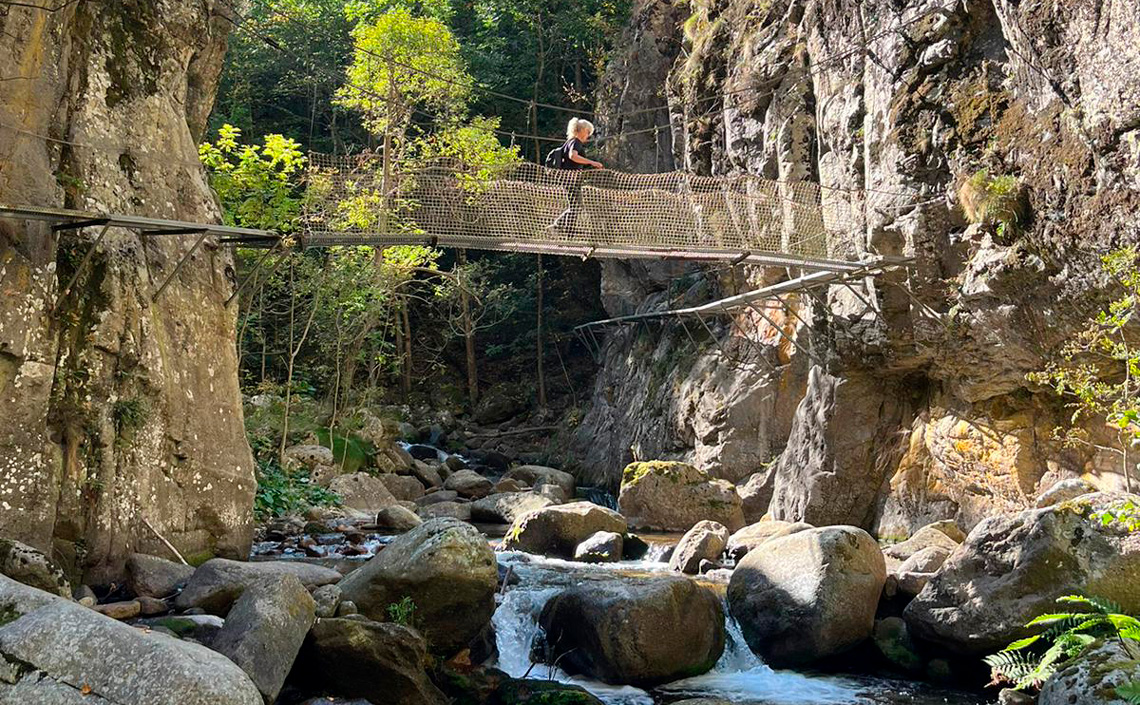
(572, 156)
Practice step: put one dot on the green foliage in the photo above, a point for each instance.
(405, 63)
(256, 185)
(1099, 369)
(1031, 661)
(1123, 513)
(994, 199)
(350, 452)
(129, 415)
(403, 612)
(1129, 692)
(281, 492)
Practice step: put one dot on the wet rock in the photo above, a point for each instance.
(382, 662)
(264, 631)
(506, 507)
(542, 692)
(633, 548)
(893, 641)
(1093, 677)
(362, 491)
(447, 569)
(155, 577)
(31, 567)
(600, 547)
(753, 535)
(1009, 696)
(128, 609)
(219, 582)
(557, 530)
(403, 487)
(60, 645)
(1012, 568)
(809, 595)
(672, 496)
(428, 475)
(704, 542)
(454, 463)
(613, 631)
(534, 475)
(468, 483)
(346, 608)
(397, 518)
(420, 451)
(391, 458)
(1063, 491)
(755, 496)
(449, 510)
(326, 599)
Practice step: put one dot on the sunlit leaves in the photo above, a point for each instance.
(256, 185)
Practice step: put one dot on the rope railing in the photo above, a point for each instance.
(453, 202)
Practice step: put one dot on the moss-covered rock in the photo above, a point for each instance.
(673, 496)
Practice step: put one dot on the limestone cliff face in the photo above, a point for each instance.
(920, 411)
(117, 409)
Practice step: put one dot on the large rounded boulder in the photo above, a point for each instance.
(535, 475)
(1012, 568)
(557, 530)
(672, 496)
(808, 595)
(447, 570)
(639, 633)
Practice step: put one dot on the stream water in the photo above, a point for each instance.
(739, 676)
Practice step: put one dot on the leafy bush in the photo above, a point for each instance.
(1067, 634)
(403, 612)
(350, 452)
(281, 492)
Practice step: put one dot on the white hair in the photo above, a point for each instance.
(577, 124)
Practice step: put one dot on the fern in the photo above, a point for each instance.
(1067, 634)
(1129, 692)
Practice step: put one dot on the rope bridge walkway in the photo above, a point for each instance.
(598, 213)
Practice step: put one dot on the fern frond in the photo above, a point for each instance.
(1097, 604)
(1129, 692)
(1022, 643)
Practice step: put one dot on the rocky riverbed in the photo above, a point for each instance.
(507, 588)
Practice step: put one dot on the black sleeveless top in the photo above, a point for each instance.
(576, 145)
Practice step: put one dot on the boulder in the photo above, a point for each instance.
(428, 475)
(381, 662)
(601, 547)
(613, 631)
(31, 567)
(446, 510)
(326, 599)
(397, 518)
(52, 648)
(506, 507)
(437, 497)
(1012, 568)
(557, 530)
(125, 609)
(362, 491)
(468, 483)
(528, 691)
(392, 458)
(533, 475)
(1063, 491)
(926, 537)
(265, 629)
(928, 560)
(219, 582)
(152, 576)
(894, 643)
(808, 595)
(403, 487)
(308, 456)
(447, 569)
(1093, 677)
(704, 542)
(672, 496)
(755, 496)
(753, 535)
(555, 493)
(508, 484)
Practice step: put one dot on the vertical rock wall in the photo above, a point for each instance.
(118, 410)
(921, 411)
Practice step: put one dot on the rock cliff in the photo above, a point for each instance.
(918, 410)
(119, 409)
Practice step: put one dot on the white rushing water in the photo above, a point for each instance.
(738, 676)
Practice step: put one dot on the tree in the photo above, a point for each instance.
(1099, 369)
(257, 186)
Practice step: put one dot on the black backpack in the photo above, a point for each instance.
(554, 158)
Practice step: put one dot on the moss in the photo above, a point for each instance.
(197, 559)
(668, 469)
(993, 199)
(8, 615)
(133, 50)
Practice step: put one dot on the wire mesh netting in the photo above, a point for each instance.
(488, 206)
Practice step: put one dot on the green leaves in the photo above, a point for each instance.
(281, 492)
(258, 186)
(1130, 692)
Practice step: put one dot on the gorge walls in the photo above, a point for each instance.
(118, 410)
(905, 113)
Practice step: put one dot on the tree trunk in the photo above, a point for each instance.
(468, 336)
(539, 370)
(407, 350)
